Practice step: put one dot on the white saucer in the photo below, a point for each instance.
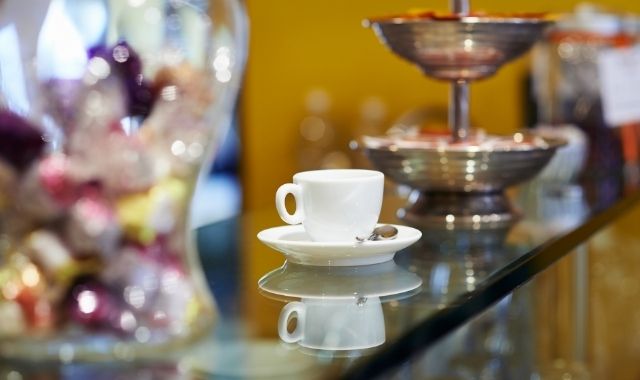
(387, 280)
(294, 243)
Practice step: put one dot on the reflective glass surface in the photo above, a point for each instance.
(535, 299)
(575, 320)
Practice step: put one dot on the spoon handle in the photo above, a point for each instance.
(373, 236)
(386, 232)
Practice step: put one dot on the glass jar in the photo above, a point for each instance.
(108, 110)
(567, 91)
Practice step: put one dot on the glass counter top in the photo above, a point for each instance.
(398, 318)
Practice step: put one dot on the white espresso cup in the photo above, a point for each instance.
(334, 205)
(334, 324)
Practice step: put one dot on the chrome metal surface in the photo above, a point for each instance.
(465, 48)
(470, 168)
(459, 6)
(384, 232)
(459, 110)
(458, 211)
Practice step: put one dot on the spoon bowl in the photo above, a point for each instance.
(384, 232)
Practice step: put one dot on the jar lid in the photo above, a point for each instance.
(631, 24)
(592, 19)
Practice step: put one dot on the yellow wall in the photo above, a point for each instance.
(299, 45)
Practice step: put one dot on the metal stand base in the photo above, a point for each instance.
(484, 218)
(458, 209)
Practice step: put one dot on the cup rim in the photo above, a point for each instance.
(338, 175)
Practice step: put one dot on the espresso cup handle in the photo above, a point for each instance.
(283, 321)
(295, 190)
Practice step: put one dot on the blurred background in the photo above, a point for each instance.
(316, 79)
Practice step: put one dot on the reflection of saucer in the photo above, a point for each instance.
(386, 280)
(298, 248)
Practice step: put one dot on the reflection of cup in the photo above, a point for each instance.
(334, 324)
(334, 205)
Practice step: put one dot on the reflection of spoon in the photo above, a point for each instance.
(385, 232)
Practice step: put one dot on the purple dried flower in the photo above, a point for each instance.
(20, 141)
(91, 304)
(126, 63)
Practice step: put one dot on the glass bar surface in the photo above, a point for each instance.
(464, 274)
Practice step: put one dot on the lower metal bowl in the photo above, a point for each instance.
(461, 168)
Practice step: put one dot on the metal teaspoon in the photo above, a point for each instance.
(384, 232)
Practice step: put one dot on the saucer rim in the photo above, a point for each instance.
(351, 253)
(339, 244)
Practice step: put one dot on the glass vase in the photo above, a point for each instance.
(108, 110)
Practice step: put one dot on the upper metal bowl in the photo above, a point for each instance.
(465, 168)
(464, 48)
